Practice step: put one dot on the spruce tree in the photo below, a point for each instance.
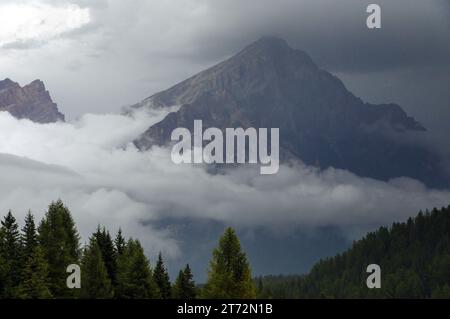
(11, 253)
(229, 273)
(107, 250)
(161, 278)
(96, 283)
(28, 237)
(35, 284)
(134, 275)
(59, 240)
(184, 287)
(119, 243)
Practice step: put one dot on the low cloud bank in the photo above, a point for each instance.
(92, 166)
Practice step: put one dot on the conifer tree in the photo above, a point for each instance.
(96, 283)
(134, 275)
(107, 250)
(10, 252)
(161, 278)
(34, 284)
(28, 237)
(119, 243)
(59, 240)
(229, 273)
(184, 287)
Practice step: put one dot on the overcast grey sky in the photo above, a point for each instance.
(99, 55)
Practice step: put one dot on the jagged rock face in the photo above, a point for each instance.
(31, 102)
(269, 84)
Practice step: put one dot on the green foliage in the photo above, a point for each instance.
(29, 238)
(60, 241)
(34, 284)
(106, 246)
(119, 243)
(10, 252)
(96, 283)
(229, 273)
(279, 287)
(184, 287)
(33, 262)
(414, 258)
(134, 275)
(161, 278)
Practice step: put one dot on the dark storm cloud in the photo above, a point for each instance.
(414, 33)
(142, 47)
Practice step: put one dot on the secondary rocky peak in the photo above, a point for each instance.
(7, 83)
(36, 85)
(31, 102)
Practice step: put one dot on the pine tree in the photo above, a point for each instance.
(161, 278)
(59, 240)
(229, 273)
(184, 287)
(95, 280)
(35, 283)
(119, 243)
(11, 253)
(134, 275)
(107, 250)
(28, 237)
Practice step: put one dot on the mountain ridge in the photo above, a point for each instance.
(269, 84)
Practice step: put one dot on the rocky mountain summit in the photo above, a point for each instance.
(31, 102)
(269, 84)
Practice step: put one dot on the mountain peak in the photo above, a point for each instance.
(261, 66)
(36, 85)
(32, 101)
(269, 42)
(6, 83)
(269, 84)
(277, 51)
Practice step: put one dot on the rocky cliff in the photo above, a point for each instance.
(31, 102)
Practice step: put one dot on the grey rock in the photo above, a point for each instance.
(31, 102)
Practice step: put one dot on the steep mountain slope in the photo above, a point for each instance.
(269, 84)
(414, 258)
(31, 102)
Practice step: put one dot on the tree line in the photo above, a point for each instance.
(414, 258)
(34, 259)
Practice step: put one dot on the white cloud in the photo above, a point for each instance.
(37, 22)
(104, 179)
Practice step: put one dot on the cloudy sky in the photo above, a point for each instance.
(96, 56)
(99, 55)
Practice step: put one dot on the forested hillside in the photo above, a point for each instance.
(414, 258)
